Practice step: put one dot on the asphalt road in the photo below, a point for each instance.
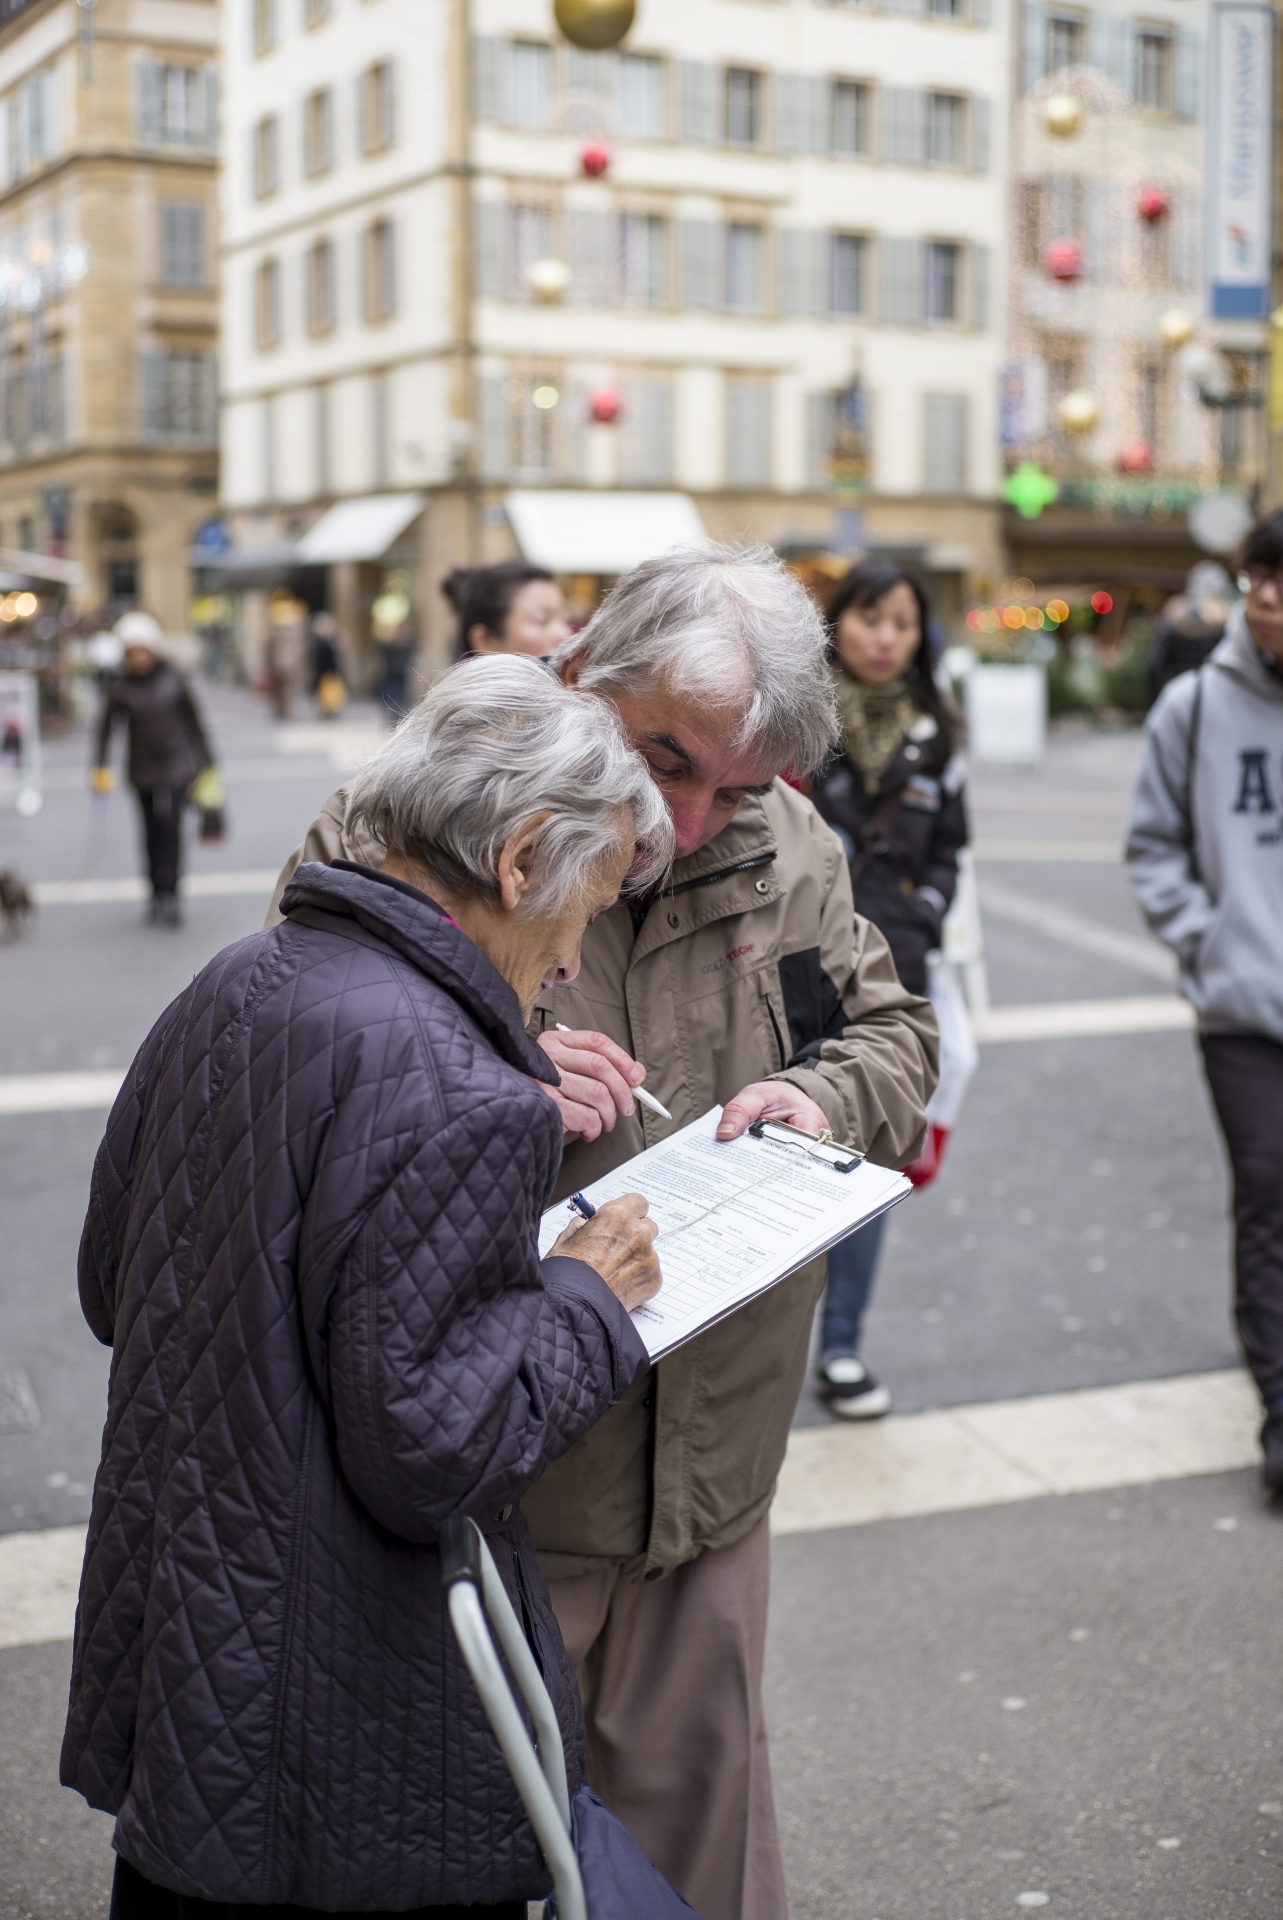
(1076, 1237)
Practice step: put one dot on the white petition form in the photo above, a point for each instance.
(734, 1217)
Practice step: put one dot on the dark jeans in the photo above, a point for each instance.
(852, 1264)
(1245, 1073)
(134, 1898)
(162, 811)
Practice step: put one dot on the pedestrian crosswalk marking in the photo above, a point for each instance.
(196, 886)
(1085, 1019)
(902, 1468)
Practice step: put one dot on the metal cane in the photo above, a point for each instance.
(479, 1604)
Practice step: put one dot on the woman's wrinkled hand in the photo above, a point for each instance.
(617, 1243)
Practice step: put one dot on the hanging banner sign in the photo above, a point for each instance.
(1239, 159)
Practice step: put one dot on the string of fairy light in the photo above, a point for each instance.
(1024, 613)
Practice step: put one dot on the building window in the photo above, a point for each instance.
(848, 273)
(315, 14)
(45, 395)
(321, 284)
(1065, 39)
(946, 449)
(646, 434)
(378, 107)
(945, 129)
(850, 131)
(743, 127)
(380, 425)
(264, 24)
(641, 96)
(267, 304)
(531, 241)
(748, 432)
(321, 437)
(943, 281)
(946, 9)
(531, 82)
(182, 243)
(380, 270)
(266, 158)
(1154, 70)
(641, 260)
(176, 106)
(318, 132)
(178, 395)
(744, 247)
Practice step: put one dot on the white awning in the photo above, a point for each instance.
(589, 532)
(358, 529)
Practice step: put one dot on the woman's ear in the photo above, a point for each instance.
(516, 862)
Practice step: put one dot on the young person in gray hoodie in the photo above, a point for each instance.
(1205, 853)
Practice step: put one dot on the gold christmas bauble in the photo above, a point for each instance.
(1061, 115)
(548, 279)
(594, 24)
(1078, 412)
(1175, 327)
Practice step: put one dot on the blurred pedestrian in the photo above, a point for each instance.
(894, 795)
(168, 751)
(1203, 850)
(329, 681)
(285, 655)
(1190, 625)
(512, 608)
(312, 1246)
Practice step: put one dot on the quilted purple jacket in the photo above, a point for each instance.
(311, 1246)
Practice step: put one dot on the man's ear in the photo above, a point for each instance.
(571, 669)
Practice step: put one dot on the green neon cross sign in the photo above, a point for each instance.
(1029, 490)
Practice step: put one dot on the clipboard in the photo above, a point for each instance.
(820, 1146)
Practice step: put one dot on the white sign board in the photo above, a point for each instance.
(1239, 159)
(1007, 714)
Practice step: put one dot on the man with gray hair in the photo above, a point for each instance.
(746, 982)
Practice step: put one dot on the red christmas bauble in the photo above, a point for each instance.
(1136, 456)
(1152, 205)
(1063, 260)
(605, 406)
(595, 159)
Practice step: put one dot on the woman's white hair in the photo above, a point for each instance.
(730, 626)
(495, 742)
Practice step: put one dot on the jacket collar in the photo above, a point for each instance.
(416, 928)
(747, 836)
(1237, 655)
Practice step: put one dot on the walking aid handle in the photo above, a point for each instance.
(478, 1602)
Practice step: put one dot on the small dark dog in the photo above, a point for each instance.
(16, 903)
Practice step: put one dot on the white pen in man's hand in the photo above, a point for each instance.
(639, 1093)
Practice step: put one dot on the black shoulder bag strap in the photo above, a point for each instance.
(1191, 756)
(876, 837)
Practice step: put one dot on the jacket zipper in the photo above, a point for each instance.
(723, 873)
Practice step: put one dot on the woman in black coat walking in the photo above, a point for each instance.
(168, 749)
(312, 1245)
(894, 795)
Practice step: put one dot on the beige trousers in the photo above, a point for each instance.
(671, 1676)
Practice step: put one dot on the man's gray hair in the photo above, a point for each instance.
(730, 626)
(496, 741)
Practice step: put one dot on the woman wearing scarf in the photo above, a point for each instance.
(894, 796)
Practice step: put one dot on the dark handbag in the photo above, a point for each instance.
(620, 1883)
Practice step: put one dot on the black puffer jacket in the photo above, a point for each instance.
(167, 743)
(903, 878)
(311, 1244)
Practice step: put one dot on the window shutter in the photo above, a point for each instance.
(593, 81)
(701, 263)
(903, 126)
(490, 249)
(492, 412)
(981, 129)
(489, 77)
(819, 439)
(748, 433)
(901, 276)
(646, 456)
(1187, 53)
(151, 396)
(151, 82)
(802, 283)
(207, 134)
(790, 112)
(980, 278)
(699, 92)
(946, 435)
(904, 6)
(1033, 44)
(1122, 56)
(592, 256)
(981, 13)
(1186, 240)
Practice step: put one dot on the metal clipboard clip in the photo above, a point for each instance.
(820, 1146)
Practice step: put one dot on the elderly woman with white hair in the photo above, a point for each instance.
(312, 1246)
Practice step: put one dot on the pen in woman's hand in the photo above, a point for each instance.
(584, 1208)
(639, 1093)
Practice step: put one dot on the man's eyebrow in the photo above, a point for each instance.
(672, 746)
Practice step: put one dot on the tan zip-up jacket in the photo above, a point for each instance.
(751, 966)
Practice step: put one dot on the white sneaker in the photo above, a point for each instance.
(850, 1390)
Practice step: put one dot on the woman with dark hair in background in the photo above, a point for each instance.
(894, 796)
(515, 607)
